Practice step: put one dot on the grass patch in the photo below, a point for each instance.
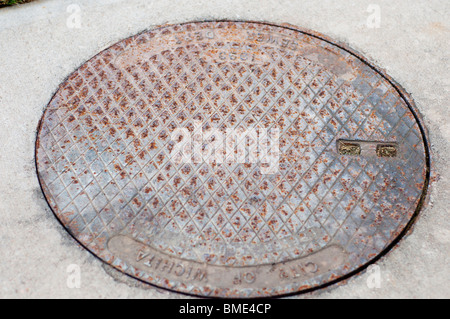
(6, 3)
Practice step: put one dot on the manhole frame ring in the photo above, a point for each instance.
(423, 199)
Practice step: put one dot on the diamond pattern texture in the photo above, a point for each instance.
(106, 154)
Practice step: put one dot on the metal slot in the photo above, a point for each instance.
(387, 150)
(368, 148)
(347, 148)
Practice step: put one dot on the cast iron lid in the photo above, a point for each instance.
(233, 159)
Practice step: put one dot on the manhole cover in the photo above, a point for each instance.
(233, 159)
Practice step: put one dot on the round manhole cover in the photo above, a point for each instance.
(233, 159)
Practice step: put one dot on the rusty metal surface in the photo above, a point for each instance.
(347, 177)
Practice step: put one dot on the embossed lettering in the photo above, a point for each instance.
(210, 34)
(167, 266)
(142, 255)
(200, 275)
(284, 43)
(299, 270)
(149, 261)
(180, 270)
(312, 268)
(194, 36)
(249, 278)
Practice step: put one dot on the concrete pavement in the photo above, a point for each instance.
(41, 43)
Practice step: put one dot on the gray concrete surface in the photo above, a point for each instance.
(39, 49)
